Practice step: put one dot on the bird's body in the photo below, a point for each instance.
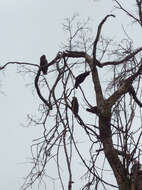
(94, 110)
(75, 105)
(43, 64)
(80, 78)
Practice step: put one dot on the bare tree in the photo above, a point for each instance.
(110, 124)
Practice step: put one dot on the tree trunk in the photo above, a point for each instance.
(111, 154)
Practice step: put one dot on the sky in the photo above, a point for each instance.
(28, 29)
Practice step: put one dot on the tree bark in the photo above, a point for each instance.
(111, 154)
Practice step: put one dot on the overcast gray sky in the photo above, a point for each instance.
(28, 29)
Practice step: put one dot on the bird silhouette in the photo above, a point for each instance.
(43, 64)
(75, 105)
(94, 110)
(80, 78)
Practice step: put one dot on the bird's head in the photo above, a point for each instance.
(73, 98)
(43, 57)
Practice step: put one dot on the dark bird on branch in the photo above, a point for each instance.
(43, 64)
(94, 110)
(80, 78)
(74, 105)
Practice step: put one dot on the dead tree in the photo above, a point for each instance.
(113, 125)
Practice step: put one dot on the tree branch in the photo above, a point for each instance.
(18, 63)
(127, 58)
(133, 93)
(95, 61)
(128, 13)
(38, 90)
(124, 88)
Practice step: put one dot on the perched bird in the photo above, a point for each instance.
(80, 78)
(94, 110)
(75, 105)
(43, 64)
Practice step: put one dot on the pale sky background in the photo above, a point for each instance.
(28, 29)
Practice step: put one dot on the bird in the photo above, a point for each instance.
(80, 78)
(74, 105)
(43, 64)
(94, 110)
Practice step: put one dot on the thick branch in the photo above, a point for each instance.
(74, 54)
(97, 86)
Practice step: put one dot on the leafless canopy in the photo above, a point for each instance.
(105, 134)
